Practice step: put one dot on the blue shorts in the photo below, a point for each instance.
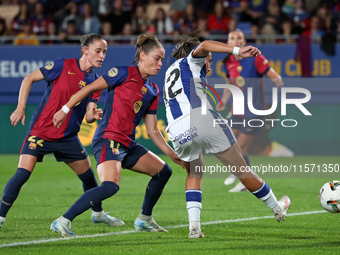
(104, 149)
(63, 151)
(242, 124)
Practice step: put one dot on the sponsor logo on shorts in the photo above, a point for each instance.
(187, 135)
(32, 146)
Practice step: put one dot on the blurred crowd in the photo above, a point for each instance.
(59, 20)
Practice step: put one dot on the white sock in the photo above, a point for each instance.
(64, 220)
(195, 224)
(144, 217)
(3, 219)
(270, 200)
(194, 211)
(98, 214)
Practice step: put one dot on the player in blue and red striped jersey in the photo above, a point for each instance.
(131, 97)
(245, 73)
(64, 77)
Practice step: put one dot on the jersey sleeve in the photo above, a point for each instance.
(262, 65)
(196, 60)
(226, 69)
(154, 104)
(95, 96)
(116, 76)
(52, 70)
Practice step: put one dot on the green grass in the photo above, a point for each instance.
(53, 187)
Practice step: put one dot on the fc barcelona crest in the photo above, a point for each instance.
(82, 84)
(144, 90)
(115, 151)
(32, 146)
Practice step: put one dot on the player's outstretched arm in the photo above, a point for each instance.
(205, 47)
(275, 77)
(25, 88)
(60, 116)
(150, 121)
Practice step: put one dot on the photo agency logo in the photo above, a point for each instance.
(239, 105)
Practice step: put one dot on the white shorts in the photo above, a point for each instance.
(195, 131)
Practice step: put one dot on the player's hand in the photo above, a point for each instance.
(58, 118)
(220, 107)
(177, 160)
(97, 113)
(249, 51)
(278, 82)
(16, 116)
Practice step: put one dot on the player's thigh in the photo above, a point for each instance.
(27, 162)
(149, 164)
(244, 141)
(232, 156)
(79, 166)
(109, 171)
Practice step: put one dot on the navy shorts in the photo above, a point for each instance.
(242, 124)
(63, 151)
(105, 149)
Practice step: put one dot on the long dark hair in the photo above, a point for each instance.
(185, 46)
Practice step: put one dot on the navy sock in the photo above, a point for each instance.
(12, 190)
(91, 197)
(90, 182)
(246, 158)
(155, 189)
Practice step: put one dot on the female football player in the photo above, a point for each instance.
(64, 78)
(245, 73)
(131, 97)
(189, 129)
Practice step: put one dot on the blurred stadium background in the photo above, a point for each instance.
(299, 39)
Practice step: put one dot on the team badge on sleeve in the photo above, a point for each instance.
(137, 105)
(144, 90)
(113, 72)
(49, 66)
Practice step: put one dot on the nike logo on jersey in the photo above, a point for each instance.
(133, 79)
(83, 151)
(69, 72)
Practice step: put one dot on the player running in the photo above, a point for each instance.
(245, 73)
(184, 81)
(131, 97)
(64, 77)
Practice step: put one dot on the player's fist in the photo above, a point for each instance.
(58, 118)
(97, 113)
(249, 51)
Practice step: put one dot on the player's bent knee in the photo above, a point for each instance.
(166, 172)
(110, 188)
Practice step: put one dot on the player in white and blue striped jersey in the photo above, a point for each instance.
(191, 127)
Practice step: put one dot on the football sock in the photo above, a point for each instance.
(89, 182)
(246, 158)
(154, 189)
(12, 190)
(266, 195)
(194, 206)
(91, 197)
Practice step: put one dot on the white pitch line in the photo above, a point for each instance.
(133, 231)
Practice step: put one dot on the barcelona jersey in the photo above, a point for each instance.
(64, 79)
(247, 73)
(129, 98)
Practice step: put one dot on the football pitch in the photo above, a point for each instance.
(233, 223)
